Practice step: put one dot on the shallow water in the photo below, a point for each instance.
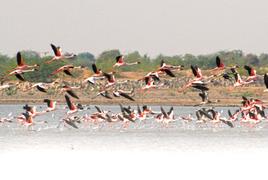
(151, 136)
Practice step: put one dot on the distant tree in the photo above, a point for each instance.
(252, 59)
(84, 59)
(107, 58)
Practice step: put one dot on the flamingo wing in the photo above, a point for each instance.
(126, 96)
(266, 80)
(119, 59)
(169, 72)
(67, 72)
(55, 50)
(194, 70)
(71, 93)
(69, 103)
(219, 62)
(41, 89)
(48, 102)
(249, 70)
(69, 122)
(20, 60)
(20, 77)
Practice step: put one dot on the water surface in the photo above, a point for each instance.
(148, 136)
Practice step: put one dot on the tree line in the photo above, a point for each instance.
(107, 58)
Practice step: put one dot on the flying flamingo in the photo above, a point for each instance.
(164, 65)
(51, 105)
(66, 69)
(120, 93)
(149, 83)
(21, 65)
(58, 55)
(252, 74)
(198, 77)
(97, 75)
(110, 78)
(72, 107)
(70, 120)
(220, 65)
(121, 62)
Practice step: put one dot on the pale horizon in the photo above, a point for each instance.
(170, 27)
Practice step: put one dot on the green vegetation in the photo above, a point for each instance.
(106, 59)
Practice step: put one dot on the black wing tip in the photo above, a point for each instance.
(118, 57)
(66, 96)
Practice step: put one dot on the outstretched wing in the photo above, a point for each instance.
(126, 96)
(266, 80)
(169, 72)
(41, 89)
(55, 50)
(48, 102)
(20, 77)
(71, 93)
(69, 122)
(20, 60)
(194, 70)
(66, 71)
(94, 68)
(219, 62)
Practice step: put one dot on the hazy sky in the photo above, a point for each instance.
(149, 26)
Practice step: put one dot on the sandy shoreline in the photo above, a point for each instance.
(116, 102)
(223, 95)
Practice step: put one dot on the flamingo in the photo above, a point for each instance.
(121, 62)
(58, 54)
(252, 74)
(51, 105)
(18, 73)
(234, 116)
(238, 80)
(22, 68)
(164, 65)
(197, 73)
(167, 117)
(69, 90)
(219, 63)
(97, 75)
(141, 114)
(27, 119)
(42, 87)
(149, 83)
(119, 93)
(97, 72)
(21, 65)
(33, 111)
(66, 69)
(110, 78)
(166, 70)
(103, 93)
(126, 116)
(198, 77)
(72, 107)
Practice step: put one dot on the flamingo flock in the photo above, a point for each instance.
(251, 111)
